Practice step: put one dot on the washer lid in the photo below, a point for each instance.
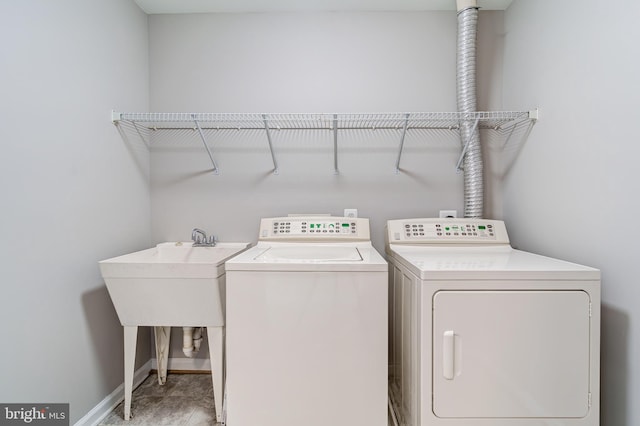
(310, 254)
(308, 257)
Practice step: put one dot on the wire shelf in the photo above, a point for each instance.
(501, 121)
(323, 121)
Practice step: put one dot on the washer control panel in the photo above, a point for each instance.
(314, 228)
(448, 231)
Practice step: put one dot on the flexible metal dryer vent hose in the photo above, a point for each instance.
(466, 93)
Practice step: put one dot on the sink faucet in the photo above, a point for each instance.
(200, 238)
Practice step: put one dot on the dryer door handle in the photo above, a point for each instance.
(448, 354)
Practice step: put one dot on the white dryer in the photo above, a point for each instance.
(307, 326)
(485, 335)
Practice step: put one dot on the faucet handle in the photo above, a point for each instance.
(211, 240)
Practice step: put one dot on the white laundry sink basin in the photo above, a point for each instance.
(170, 284)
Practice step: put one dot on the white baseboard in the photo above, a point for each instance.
(100, 411)
(187, 364)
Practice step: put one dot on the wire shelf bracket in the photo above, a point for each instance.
(206, 145)
(335, 144)
(265, 118)
(459, 167)
(404, 132)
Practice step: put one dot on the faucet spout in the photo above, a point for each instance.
(198, 236)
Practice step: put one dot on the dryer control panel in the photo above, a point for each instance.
(446, 231)
(296, 228)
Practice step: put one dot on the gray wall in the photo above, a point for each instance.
(73, 192)
(307, 62)
(573, 190)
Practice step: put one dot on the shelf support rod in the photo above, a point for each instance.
(511, 130)
(206, 146)
(466, 146)
(531, 121)
(135, 126)
(273, 156)
(404, 132)
(335, 144)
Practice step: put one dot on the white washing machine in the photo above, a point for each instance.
(482, 334)
(307, 326)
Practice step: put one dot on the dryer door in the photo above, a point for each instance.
(510, 354)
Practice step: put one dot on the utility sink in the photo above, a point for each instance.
(172, 284)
